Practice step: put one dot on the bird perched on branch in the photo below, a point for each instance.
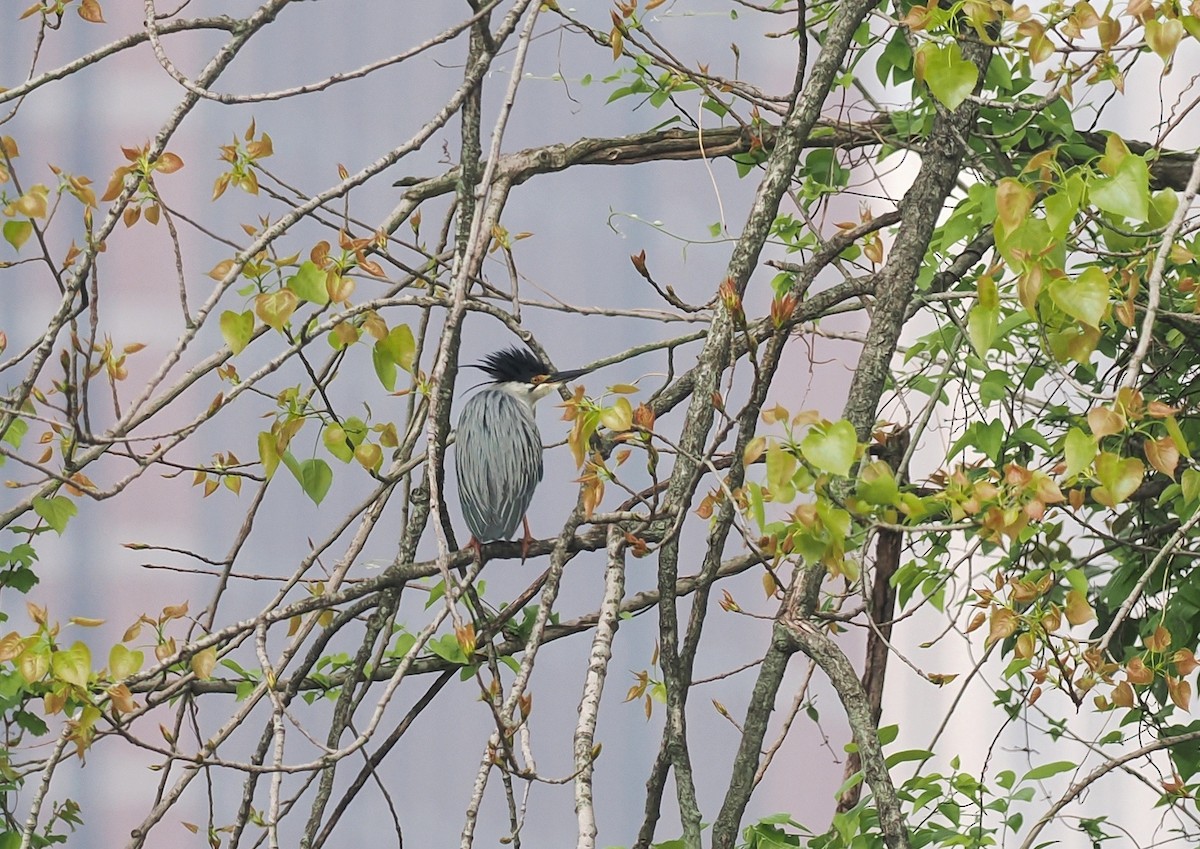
(498, 449)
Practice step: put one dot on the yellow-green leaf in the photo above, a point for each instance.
(619, 417)
(334, 437)
(1119, 478)
(983, 323)
(781, 467)
(950, 77)
(72, 665)
(203, 663)
(236, 329)
(34, 663)
(17, 233)
(1084, 298)
(309, 284)
(877, 484)
(1126, 193)
(123, 662)
(1164, 36)
(832, 450)
(369, 455)
(1079, 450)
(56, 510)
(401, 346)
(268, 453)
(275, 308)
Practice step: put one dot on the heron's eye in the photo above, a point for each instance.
(538, 378)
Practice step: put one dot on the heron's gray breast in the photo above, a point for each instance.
(498, 460)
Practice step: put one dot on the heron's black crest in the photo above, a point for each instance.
(513, 365)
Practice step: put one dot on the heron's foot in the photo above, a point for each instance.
(476, 547)
(525, 540)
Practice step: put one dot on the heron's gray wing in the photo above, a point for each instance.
(498, 460)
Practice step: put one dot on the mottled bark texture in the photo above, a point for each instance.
(941, 162)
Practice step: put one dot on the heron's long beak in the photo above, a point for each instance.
(564, 376)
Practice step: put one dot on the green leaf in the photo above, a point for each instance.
(887, 734)
(1079, 450)
(994, 386)
(314, 476)
(73, 665)
(896, 60)
(1039, 773)
(1063, 205)
(20, 579)
(236, 329)
(988, 437)
(448, 648)
(385, 366)
(832, 451)
(1189, 483)
(18, 429)
(400, 346)
(1084, 298)
(1163, 204)
(950, 77)
(17, 233)
(404, 642)
(309, 284)
(1175, 433)
(1127, 192)
(1078, 580)
(56, 511)
(908, 755)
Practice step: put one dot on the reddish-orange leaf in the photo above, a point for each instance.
(91, 12)
(1137, 672)
(1105, 421)
(168, 163)
(1003, 624)
(1185, 661)
(617, 40)
(1160, 640)
(1181, 692)
(1162, 454)
(122, 699)
(1078, 610)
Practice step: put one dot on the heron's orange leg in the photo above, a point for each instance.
(525, 540)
